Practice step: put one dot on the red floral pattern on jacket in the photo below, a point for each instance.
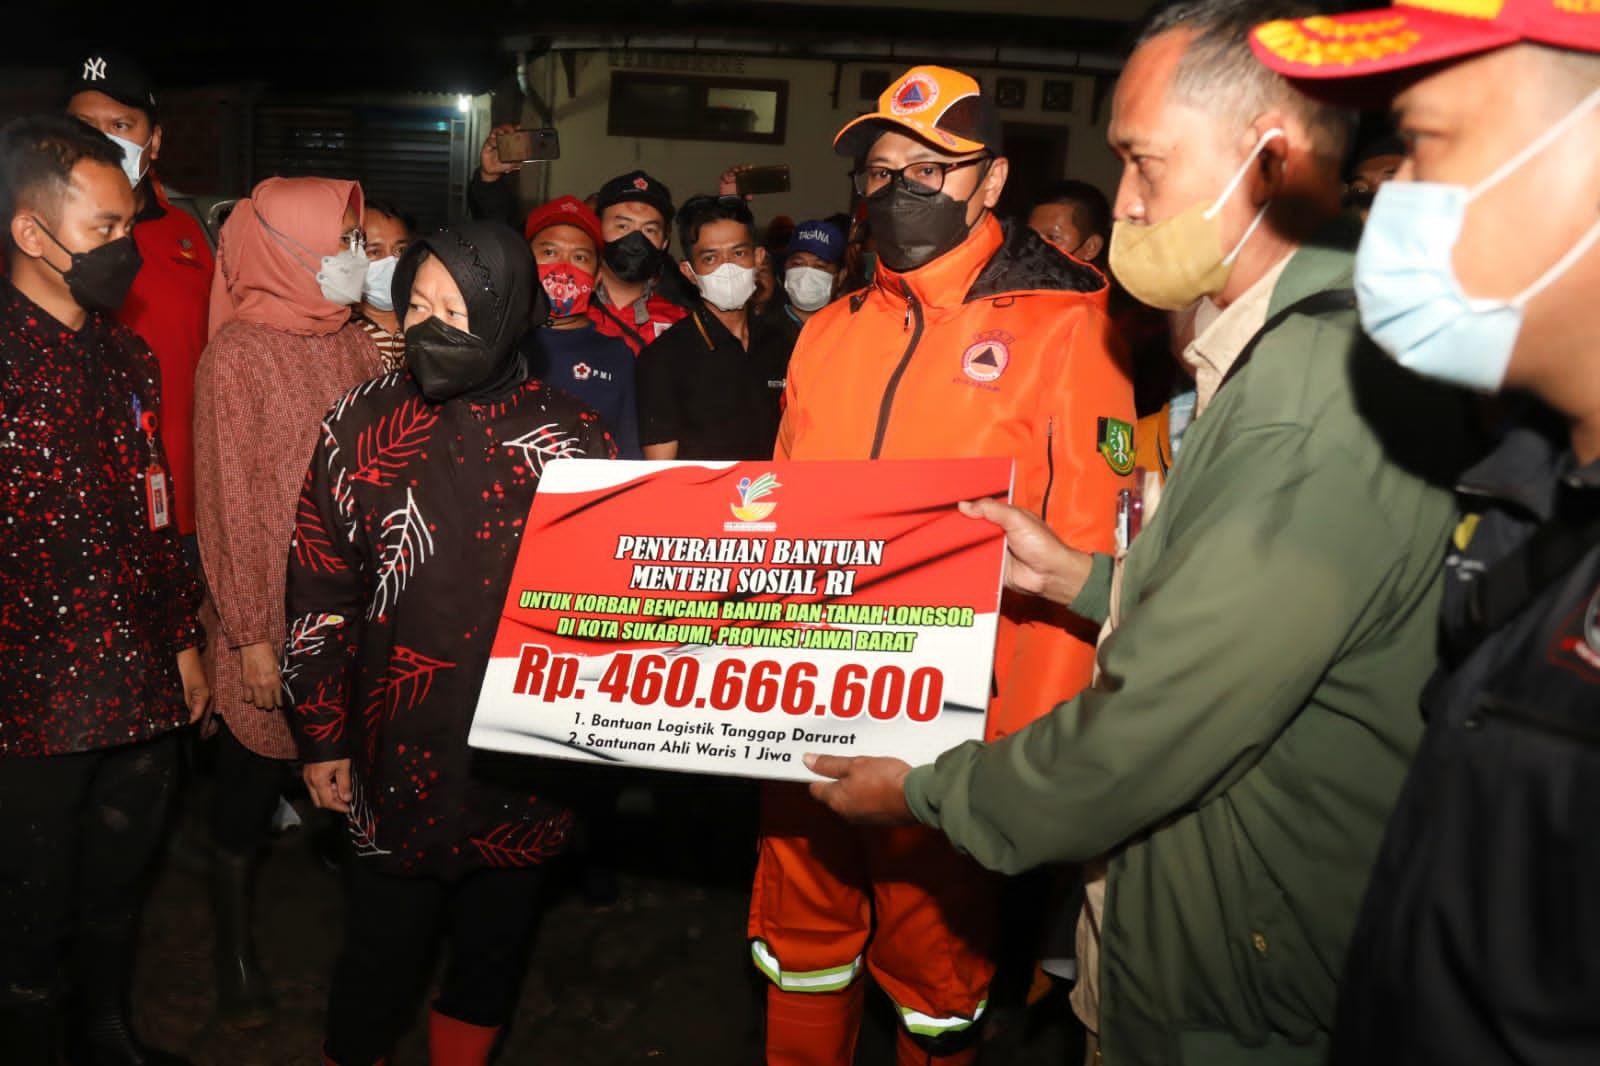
(405, 537)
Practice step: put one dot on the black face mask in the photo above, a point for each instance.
(913, 225)
(100, 278)
(447, 362)
(632, 258)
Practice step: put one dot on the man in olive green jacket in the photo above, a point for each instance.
(1257, 705)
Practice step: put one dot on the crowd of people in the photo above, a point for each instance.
(1291, 735)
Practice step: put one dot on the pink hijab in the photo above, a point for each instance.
(272, 278)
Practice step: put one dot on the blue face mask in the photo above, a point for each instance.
(379, 280)
(1412, 305)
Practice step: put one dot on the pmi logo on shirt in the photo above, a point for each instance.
(584, 372)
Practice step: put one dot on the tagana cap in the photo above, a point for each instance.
(1337, 55)
(943, 107)
(819, 237)
(564, 211)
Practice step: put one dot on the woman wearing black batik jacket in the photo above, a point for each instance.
(407, 532)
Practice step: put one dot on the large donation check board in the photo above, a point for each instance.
(729, 617)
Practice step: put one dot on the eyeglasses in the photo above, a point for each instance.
(929, 175)
(355, 238)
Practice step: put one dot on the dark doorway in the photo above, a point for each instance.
(1038, 155)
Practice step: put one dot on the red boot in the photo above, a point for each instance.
(452, 1042)
(907, 1052)
(813, 1028)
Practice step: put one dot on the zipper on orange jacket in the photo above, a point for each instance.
(913, 311)
(1050, 466)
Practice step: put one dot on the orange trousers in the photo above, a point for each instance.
(831, 899)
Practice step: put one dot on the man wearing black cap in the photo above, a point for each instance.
(631, 301)
(170, 298)
(638, 295)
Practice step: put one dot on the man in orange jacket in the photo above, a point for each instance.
(976, 338)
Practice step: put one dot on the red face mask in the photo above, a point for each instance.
(568, 287)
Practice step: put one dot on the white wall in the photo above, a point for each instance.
(819, 181)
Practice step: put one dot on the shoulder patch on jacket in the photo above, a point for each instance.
(1116, 444)
(1026, 262)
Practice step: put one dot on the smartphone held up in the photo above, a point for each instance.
(756, 181)
(528, 146)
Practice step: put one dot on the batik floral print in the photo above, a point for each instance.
(94, 604)
(405, 536)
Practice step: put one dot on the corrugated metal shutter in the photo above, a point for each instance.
(414, 157)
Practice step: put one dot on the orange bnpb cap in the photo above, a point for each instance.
(943, 107)
(1334, 54)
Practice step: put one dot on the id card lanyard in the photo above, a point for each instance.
(157, 488)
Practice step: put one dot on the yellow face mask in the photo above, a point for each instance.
(1171, 264)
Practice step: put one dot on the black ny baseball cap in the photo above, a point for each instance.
(114, 73)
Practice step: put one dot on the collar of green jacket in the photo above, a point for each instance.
(1322, 263)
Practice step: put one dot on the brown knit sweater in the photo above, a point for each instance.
(260, 394)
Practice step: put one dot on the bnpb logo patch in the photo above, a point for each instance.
(987, 357)
(917, 93)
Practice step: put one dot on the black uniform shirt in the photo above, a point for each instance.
(698, 385)
(1479, 933)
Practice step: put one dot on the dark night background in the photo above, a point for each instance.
(663, 975)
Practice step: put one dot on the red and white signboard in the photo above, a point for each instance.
(729, 617)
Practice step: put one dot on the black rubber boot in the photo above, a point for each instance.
(244, 995)
(30, 1027)
(100, 1032)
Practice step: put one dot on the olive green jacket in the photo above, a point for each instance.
(1257, 705)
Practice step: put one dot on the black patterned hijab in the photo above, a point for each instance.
(493, 267)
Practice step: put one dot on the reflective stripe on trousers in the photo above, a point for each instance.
(928, 1025)
(837, 977)
(829, 980)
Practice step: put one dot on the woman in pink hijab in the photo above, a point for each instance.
(283, 349)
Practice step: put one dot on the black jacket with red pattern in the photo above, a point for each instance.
(407, 531)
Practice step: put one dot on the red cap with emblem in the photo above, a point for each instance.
(1335, 55)
(564, 211)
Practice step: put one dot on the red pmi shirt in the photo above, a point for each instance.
(167, 306)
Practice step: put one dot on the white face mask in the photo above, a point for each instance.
(727, 288)
(376, 289)
(343, 275)
(809, 288)
(132, 157)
